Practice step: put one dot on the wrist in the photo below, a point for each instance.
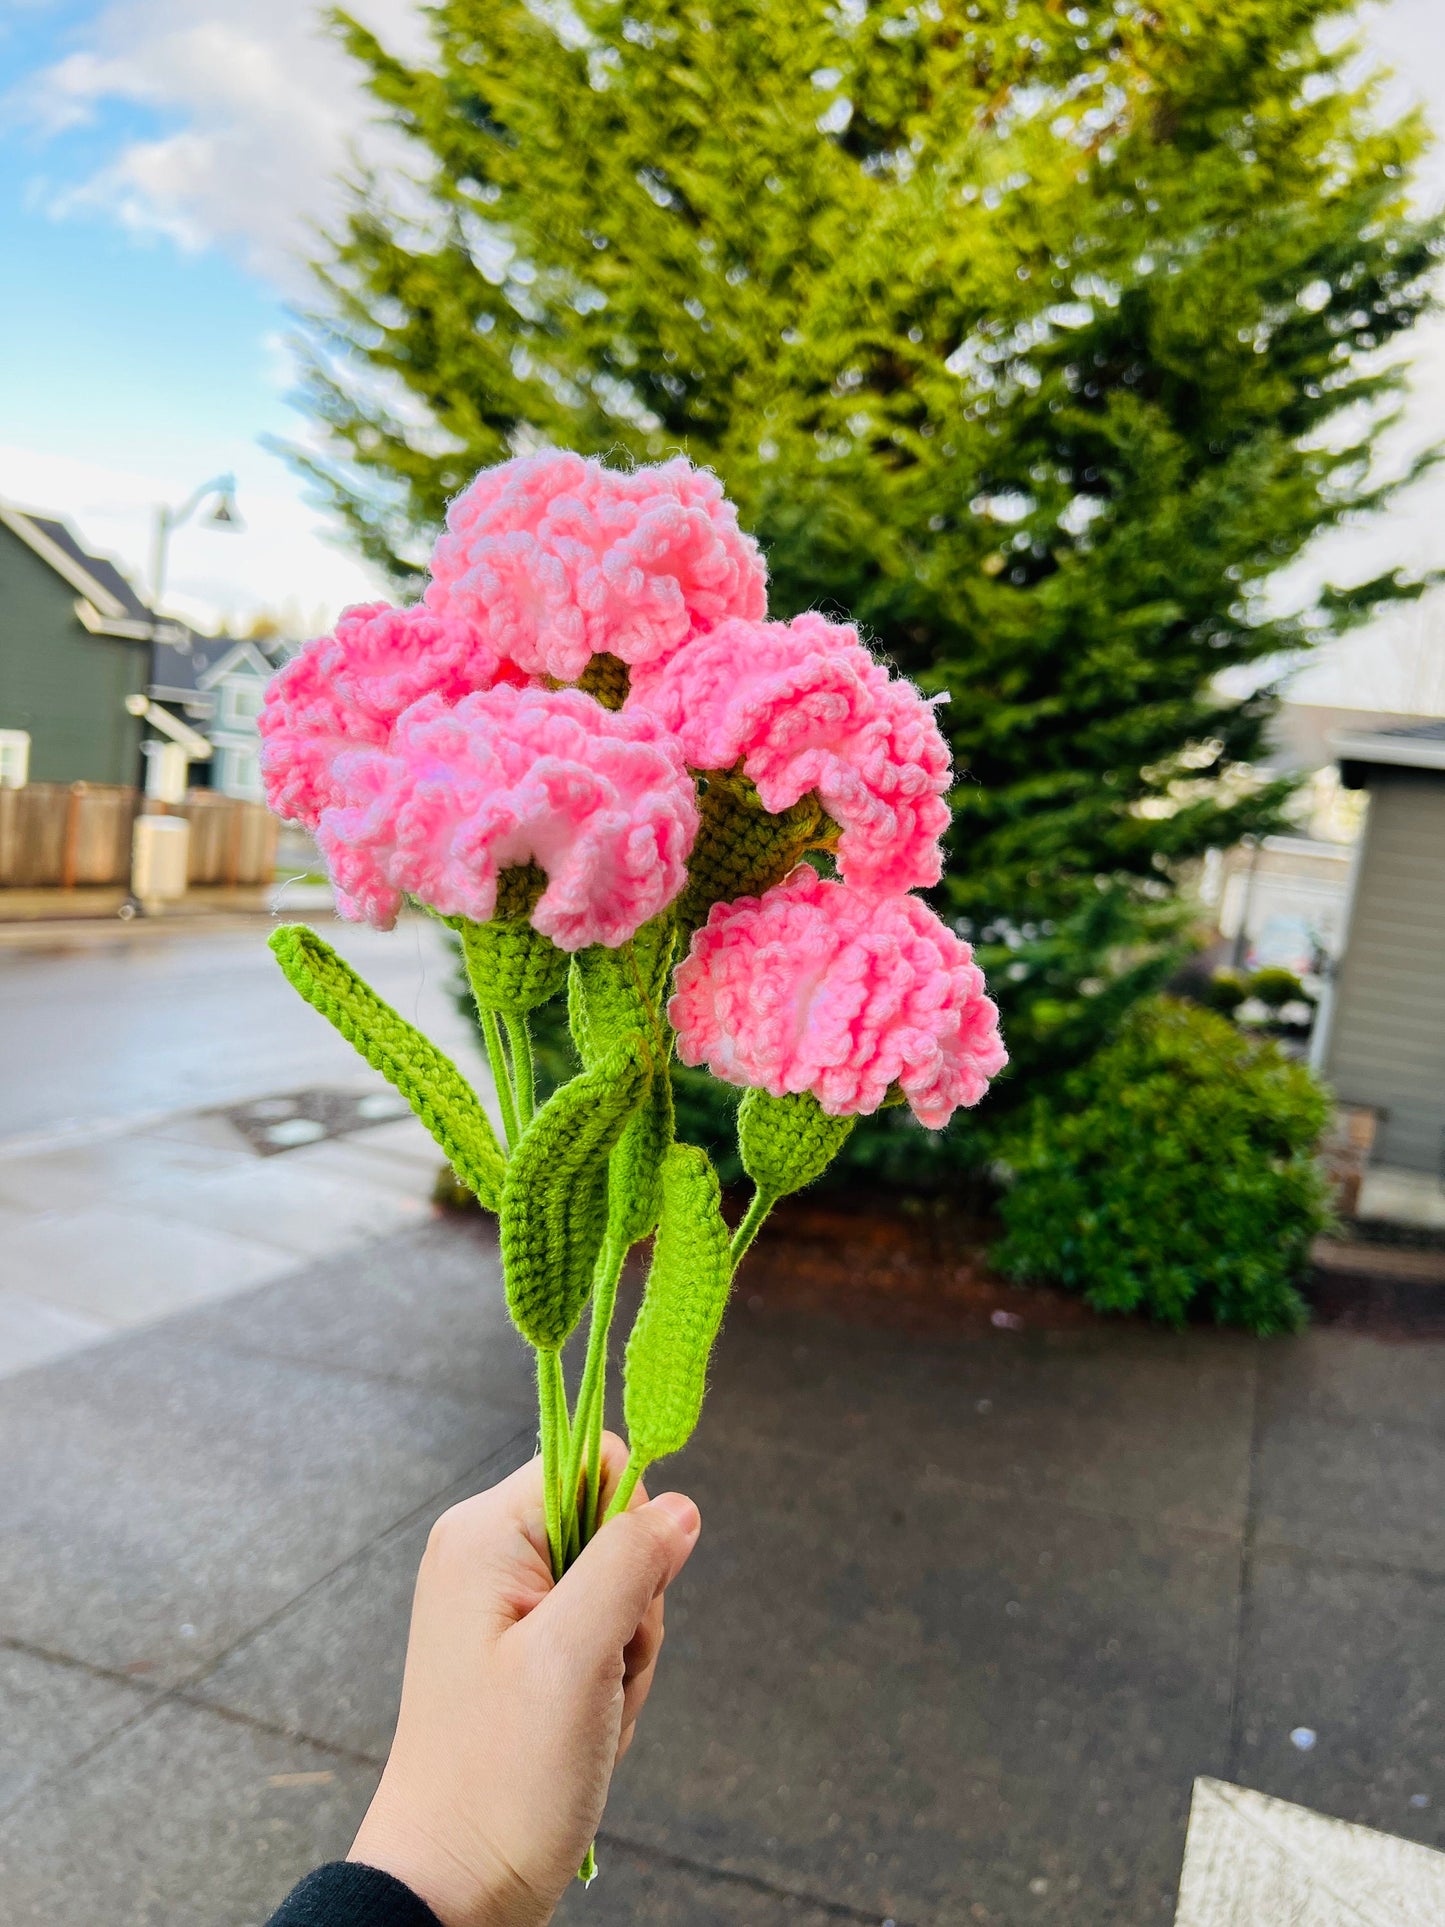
(462, 1889)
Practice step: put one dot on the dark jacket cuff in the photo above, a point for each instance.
(345, 1894)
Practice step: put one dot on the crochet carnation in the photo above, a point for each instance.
(556, 559)
(817, 987)
(344, 691)
(808, 709)
(600, 801)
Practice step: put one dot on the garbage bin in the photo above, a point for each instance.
(159, 860)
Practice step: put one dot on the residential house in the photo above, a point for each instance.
(216, 683)
(95, 687)
(1380, 1036)
(75, 643)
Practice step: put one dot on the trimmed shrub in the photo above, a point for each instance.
(1174, 1174)
(1224, 991)
(1275, 988)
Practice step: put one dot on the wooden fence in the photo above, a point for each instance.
(64, 834)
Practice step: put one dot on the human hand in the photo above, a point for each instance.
(519, 1698)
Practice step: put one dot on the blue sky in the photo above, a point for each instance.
(160, 161)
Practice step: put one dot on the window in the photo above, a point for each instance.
(241, 773)
(14, 758)
(242, 701)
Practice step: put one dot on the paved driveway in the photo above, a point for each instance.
(968, 1617)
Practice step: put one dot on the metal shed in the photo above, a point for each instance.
(1380, 1039)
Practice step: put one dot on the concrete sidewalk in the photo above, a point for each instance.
(968, 1618)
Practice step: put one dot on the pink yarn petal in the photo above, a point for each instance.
(601, 801)
(808, 709)
(816, 986)
(345, 691)
(556, 559)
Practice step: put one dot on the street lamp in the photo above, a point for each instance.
(223, 516)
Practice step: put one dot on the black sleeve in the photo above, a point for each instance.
(343, 1894)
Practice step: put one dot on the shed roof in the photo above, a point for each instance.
(1421, 747)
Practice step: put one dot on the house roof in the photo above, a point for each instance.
(97, 579)
(1420, 747)
(188, 672)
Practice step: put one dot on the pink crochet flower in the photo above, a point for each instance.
(807, 708)
(601, 801)
(346, 690)
(815, 987)
(557, 559)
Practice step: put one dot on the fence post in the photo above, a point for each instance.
(70, 848)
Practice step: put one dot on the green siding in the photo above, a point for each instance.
(67, 687)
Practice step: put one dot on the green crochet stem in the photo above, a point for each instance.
(523, 1069)
(501, 1077)
(626, 1486)
(591, 1397)
(552, 1405)
(762, 1203)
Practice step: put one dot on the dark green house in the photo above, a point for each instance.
(75, 641)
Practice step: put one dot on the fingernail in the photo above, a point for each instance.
(681, 1510)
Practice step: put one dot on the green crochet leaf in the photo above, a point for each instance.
(430, 1082)
(511, 967)
(634, 1177)
(786, 1142)
(682, 1308)
(613, 994)
(554, 1202)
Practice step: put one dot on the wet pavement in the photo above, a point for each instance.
(100, 1028)
(176, 1124)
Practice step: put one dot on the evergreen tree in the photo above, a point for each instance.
(1022, 333)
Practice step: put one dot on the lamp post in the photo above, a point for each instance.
(223, 516)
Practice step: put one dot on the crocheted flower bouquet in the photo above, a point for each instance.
(589, 752)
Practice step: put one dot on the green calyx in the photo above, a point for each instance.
(787, 1142)
(743, 849)
(411, 1063)
(511, 967)
(554, 1201)
(607, 679)
(682, 1309)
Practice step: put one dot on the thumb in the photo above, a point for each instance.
(599, 1602)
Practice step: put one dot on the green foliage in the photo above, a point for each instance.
(1174, 1173)
(1275, 988)
(682, 1308)
(410, 1062)
(554, 1202)
(1024, 334)
(1224, 991)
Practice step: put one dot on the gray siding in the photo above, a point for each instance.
(67, 687)
(1387, 1045)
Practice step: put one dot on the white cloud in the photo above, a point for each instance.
(266, 114)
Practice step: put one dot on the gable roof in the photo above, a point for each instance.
(99, 581)
(188, 670)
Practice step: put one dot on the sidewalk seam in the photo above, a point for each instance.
(838, 1909)
(1246, 1574)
